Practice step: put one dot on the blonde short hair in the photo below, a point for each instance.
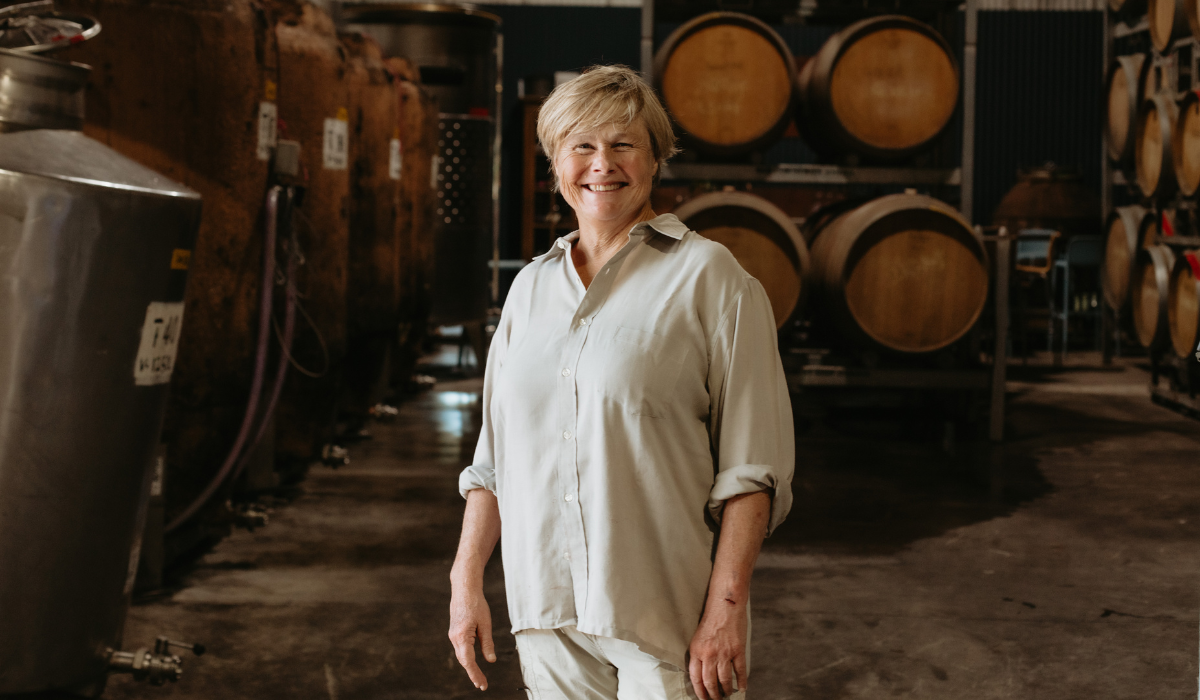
(604, 95)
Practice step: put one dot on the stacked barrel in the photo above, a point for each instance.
(902, 274)
(1153, 135)
(226, 78)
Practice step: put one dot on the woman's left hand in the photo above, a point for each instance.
(718, 650)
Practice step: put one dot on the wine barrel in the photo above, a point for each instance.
(1124, 234)
(727, 80)
(1168, 21)
(1183, 304)
(882, 88)
(904, 272)
(1153, 153)
(762, 238)
(1126, 92)
(1185, 145)
(1149, 288)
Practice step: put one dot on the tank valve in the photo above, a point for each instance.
(157, 667)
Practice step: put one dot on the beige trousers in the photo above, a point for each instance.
(566, 664)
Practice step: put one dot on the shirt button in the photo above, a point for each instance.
(568, 498)
(566, 372)
(583, 321)
(566, 435)
(567, 556)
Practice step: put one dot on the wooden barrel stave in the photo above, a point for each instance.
(883, 88)
(1153, 152)
(1123, 234)
(727, 80)
(1149, 289)
(1183, 304)
(762, 238)
(905, 273)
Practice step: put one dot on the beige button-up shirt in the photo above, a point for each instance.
(617, 420)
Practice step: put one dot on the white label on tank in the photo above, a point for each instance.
(268, 121)
(395, 159)
(336, 144)
(434, 161)
(156, 485)
(160, 342)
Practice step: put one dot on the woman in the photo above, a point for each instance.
(634, 404)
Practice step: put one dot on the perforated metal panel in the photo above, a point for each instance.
(463, 184)
(464, 178)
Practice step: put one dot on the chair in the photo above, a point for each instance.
(1034, 258)
(1081, 252)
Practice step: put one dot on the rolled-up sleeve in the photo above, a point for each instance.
(481, 474)
(751, 427)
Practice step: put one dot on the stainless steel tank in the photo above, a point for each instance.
(94, 251)
(457, 50)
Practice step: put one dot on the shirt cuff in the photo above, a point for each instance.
(751, 478)
(476, 477)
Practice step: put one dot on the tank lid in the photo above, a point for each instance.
(40, 93)
(376, 12)
(73, 157)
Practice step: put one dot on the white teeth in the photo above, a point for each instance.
(603, 188)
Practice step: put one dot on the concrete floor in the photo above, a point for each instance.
(898, 574)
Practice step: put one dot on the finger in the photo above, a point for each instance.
(695, 672)
(725, 676)
(486, 645)
(743, 674)
(711, 684)
(465, 651)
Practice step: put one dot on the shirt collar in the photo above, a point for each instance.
(667, 224)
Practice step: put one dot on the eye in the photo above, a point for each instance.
(622, 144)
(583, 147)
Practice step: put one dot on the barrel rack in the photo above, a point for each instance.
(1175, 382)
(812, 369)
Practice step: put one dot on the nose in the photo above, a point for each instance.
(602, 160)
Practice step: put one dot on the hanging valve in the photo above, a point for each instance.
(156, 667)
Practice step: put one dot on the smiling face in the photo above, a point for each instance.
(606, 174)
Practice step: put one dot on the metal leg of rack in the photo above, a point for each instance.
(1000, 354)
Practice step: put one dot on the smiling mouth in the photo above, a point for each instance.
(605, 188)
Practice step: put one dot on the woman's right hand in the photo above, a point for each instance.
(471, 620)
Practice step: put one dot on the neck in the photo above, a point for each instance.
(599, 240)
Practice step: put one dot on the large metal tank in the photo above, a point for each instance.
(93, 253)
(455, 49)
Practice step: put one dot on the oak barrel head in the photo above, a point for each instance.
(1153, 153)
(1168, 21)
(763, 239)
(1185, 144)
(1124, 97)
(1124, 226)
(1149, 288)
(883, 88)
(727, 80)
(1183, 304)
(903, 272)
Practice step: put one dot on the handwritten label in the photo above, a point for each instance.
(268, 121)
(160, 343)
(336, 143)
(395, 159)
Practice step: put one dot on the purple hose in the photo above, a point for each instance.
(289, 328)
(260, 361)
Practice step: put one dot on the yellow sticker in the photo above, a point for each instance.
(343, 114)
(269, 91)
(396, 133)
(180, 259)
